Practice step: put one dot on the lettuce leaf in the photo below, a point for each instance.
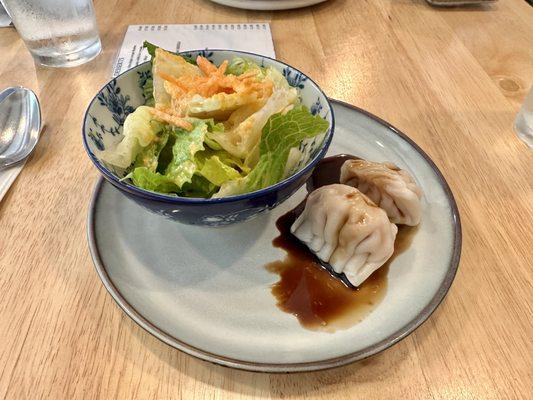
(148, 92)
(211, 128)
(211, 143)
(277, 78)
(233, 162)
(238, 66)
(280, 134)
(182, 166)
(179, 176)
(241, 139)
(150, 47)
(170, 64)
(149, 156)
(224, 157)
(198, 187)
(217, 172)
(144, 178)
(138, 132)
(214, 156)
(166, 155)
(218, 166)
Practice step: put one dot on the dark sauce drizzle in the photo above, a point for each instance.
(317, 296)
(328, 171)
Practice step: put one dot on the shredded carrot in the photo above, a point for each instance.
(249, 74)
(214, 81)
(222, 68)
(175, 81)
(171, 119)
(206, 66)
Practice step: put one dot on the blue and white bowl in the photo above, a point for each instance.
(105, 116)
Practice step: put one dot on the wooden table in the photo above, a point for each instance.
(452, 79)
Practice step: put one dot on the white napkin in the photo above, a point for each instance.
(252, 37)
(7, 177)
(5, 19)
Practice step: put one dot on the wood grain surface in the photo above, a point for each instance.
(452, 79)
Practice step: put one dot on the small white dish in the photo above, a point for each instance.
(206, 292)
(268, 5)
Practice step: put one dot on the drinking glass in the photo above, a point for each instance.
(58, 33)
(523, 124)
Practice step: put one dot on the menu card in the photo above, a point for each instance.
(252, 37)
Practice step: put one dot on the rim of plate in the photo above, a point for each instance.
(376, 348)
(268, 5)
(146, 194)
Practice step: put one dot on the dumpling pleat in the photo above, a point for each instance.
(390, 187)
(346, 229)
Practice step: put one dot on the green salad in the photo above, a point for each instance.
(212, 131)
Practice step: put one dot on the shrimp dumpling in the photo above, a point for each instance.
(390, 187)
(346, 229)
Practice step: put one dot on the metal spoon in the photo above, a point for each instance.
(20, 124)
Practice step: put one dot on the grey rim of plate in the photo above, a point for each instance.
(268, 5)
(389, 341)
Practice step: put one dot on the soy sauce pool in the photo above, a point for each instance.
(328, 171)
(307, 290)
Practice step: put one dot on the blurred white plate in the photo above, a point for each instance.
(268, 5)
(206, 292)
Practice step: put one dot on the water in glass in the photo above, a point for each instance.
(523, 123)
(58, 33)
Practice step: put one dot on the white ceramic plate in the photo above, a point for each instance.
(268, 4)
(205, 290)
